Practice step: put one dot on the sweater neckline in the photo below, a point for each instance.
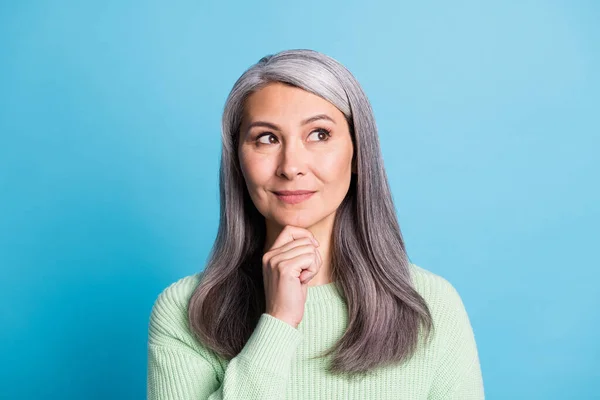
(323, 293)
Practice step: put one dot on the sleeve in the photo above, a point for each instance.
(458, 372)
(179, 368)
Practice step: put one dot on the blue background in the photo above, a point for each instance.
(110, 112)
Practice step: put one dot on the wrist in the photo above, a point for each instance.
(284, 319)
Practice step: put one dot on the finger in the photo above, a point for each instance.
(290, 233)
(268, 256)
(295, 243)
(295, 266)
(293, 252)
(319, 261)
(311, 271)
(306, 276)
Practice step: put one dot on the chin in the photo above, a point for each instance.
(296, 218)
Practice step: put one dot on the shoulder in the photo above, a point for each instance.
(169, 327)
(454, 348)
(443, 299)
(179, 292)
(169, 315)
(434, 288)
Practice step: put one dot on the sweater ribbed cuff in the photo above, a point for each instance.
(272, 345)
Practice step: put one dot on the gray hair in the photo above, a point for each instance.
(369, 260)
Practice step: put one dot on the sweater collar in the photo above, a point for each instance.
(323, 293)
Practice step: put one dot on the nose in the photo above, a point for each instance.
(292, 160)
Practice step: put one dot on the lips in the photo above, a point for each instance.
(294, 196)
(293, 192)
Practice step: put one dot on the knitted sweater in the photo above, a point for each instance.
(275, 362)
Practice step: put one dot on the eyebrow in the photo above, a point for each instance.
(273, 126)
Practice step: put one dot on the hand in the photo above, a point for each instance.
(288, 266)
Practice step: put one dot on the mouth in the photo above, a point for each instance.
(294, 197)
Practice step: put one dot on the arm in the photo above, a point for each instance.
(458, 375)
(180, 368)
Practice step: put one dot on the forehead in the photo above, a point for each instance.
(278, 99)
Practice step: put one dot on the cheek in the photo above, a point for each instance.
(334, 167)
(256, 170)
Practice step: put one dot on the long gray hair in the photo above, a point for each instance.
(369, 260)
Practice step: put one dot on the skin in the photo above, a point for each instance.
(291, 155)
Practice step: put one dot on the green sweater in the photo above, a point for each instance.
(274, 364)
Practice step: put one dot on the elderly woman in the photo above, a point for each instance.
(308, 292)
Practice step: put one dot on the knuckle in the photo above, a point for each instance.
(274, 261)
(311, 248)
(265, 258)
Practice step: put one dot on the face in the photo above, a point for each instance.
(291, 139)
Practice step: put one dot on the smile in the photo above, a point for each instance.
(294, 198)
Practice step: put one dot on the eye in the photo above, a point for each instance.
(324, 132)
(265, 138)
(265, 135)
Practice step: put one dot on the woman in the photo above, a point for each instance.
(310, 294)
